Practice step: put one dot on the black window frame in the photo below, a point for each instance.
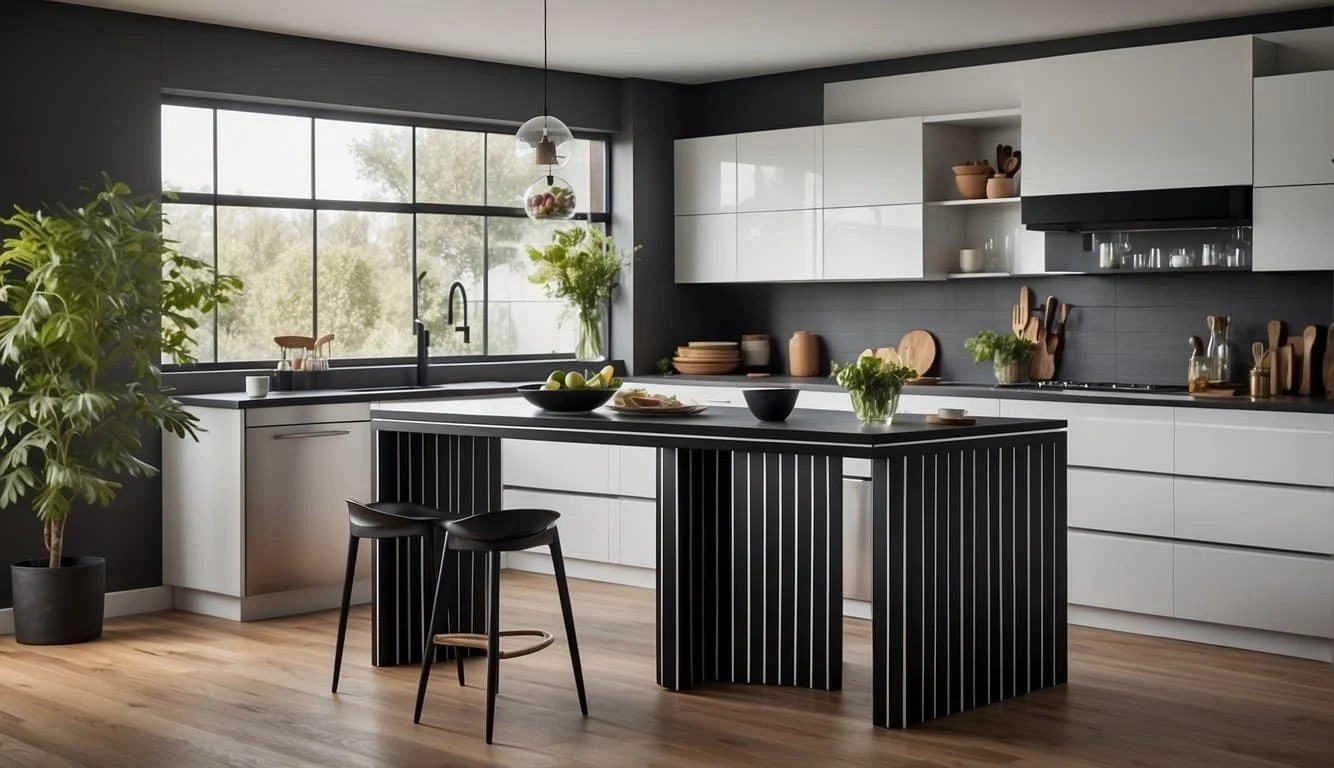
(413, 207)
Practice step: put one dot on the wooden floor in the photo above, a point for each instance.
(181, 690)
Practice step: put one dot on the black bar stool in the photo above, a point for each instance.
(379, 520)
(506, 530)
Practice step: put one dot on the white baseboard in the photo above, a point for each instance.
(125, 603)
(258, 607)
(1315, 648)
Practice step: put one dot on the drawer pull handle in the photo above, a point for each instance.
(322, 433)
(719, 402)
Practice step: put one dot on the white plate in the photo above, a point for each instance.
(685, 410)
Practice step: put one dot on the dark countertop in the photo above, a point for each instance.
(960, 389)
(809, 431)
(336, 396)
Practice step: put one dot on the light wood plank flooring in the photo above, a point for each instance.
(180, 690)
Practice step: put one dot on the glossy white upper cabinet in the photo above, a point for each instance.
(778, 170)
(872, 243)
(1294, 129)
(777, 246)
(706, 248)
(1293, 228)
(1154, 117)
(874, 163)
(706, 175)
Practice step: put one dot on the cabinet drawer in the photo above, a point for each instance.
(976, 406)
(1120, 573)
(636, 533)
(638, 470)
(1255, 515)
(1108, 436)
(575, 467)
(1122, 502)
(307, 414)
(1282, 593)
(585, 521)
(1295, 448)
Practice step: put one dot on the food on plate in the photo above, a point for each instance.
(642, 398)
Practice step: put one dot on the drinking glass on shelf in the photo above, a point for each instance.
(1156, 258)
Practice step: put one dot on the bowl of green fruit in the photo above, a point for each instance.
(573, 391)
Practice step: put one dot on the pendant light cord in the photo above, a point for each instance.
(545, 76)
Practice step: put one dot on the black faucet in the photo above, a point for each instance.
(449, 313)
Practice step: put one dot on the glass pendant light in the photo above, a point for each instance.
(545, 141)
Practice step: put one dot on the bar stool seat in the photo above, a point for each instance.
(379, 520)
(492, 533)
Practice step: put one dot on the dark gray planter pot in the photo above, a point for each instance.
(54, 606)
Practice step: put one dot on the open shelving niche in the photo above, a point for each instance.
(951, 223)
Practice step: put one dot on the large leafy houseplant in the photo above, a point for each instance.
(580, 265)
(92, 300)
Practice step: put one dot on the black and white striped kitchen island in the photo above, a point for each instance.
(969, 552)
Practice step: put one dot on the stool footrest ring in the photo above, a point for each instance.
(479, 642)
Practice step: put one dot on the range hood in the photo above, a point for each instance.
(1188, 207)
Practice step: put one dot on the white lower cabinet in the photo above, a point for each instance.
(926, 404)
(1296, 448)
(585, 521)
(1119, 502)
(636, 524)
(1130, 437)
(1261, 590)
(1255, 515)
(1120, 572)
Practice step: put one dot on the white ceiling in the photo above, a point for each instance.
(692, 41)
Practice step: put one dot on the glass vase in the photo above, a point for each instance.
(589, 347)
(1007, 371)
(875, 407)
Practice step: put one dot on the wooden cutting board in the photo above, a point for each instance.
(917, 350)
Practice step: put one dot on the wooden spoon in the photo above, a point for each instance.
(1309, 334)
(1275, 330)
(1284, 358)
(1012, 165)
(1056, 336)
(1031, 329)
(1025, 302)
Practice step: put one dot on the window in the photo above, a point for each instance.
(353, 228)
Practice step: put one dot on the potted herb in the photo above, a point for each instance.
(875, 385)
(92, 299)
(1007, 352)
(580, 265)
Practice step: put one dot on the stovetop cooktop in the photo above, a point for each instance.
(1106, 386)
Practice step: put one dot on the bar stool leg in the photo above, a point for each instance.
(347, 602)
(428, 646)
(558, 563)
(492, 643)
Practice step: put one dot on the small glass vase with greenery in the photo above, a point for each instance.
(582, 266)
(1006, 351)
(875, 385)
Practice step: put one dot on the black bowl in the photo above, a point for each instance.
(565, 400)
(771, 404)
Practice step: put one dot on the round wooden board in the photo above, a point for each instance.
(917, 350)
(932, 418)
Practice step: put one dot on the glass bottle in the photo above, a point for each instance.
(1219, 353)
(1197, 370)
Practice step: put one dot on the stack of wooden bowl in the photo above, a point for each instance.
(707, 358)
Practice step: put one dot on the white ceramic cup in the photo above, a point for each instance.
(257, 386)
(970, 260)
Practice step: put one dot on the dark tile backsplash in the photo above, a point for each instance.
(1128, 327)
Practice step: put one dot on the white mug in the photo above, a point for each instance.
(969, 260)
(257, 386)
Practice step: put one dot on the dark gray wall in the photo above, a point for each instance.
(86, 95)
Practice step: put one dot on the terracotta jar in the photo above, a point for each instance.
(803, 357)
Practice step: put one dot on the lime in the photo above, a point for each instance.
(549, 384)
(574, 380)
(556, 376)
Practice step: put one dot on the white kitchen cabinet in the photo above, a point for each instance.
(706, 248)
(296, 480)
(777, 246)
(923, 404)
(203, 504)
(1131, 437)
(778, 170)
(705, 175)
(636, 525)
(571, 467)
(1294, 129)
(1293, 228)
(1296, 448)
(1262, 590)
(1120, 502)
(1120, 572)
(585, 521)
(1152, 117)
(873, 163)
(872, 243)
(637, 468)
(1255, 515)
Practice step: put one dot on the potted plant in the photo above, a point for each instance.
(875, 385)
(580, 265)
(92, 300)
(1007, 352)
